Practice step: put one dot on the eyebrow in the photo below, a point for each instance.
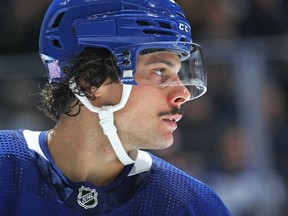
(168, 63)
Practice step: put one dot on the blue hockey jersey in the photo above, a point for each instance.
(32, 185)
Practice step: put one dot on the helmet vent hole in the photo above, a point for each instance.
(143, 23)
(165, 25)
(58, 19)
(56, 43)
(183, 39)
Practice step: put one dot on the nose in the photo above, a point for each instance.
(178, 95)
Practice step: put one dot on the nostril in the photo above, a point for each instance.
(185, 94)
(179, 100)
(178, 95)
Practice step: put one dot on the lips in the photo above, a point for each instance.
(172, 120)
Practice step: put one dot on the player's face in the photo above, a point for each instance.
(153, 109)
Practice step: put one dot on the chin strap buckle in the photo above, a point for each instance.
(107, 121)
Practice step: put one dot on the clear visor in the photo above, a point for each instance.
(163, 67)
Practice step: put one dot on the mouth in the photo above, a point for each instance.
(172, 120)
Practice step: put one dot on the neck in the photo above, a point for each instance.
(82, 152)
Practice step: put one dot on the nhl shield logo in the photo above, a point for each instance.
(87, 197)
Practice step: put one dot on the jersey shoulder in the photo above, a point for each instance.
(192, 194)
(13, 145)
(18, 166)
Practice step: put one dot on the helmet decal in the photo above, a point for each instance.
(53, 69)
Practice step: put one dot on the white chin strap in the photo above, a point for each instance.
(107, 121)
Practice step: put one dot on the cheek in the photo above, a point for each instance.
(147, 95)
(140, 106)
(136, 98)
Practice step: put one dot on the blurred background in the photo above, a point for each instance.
(235, 138)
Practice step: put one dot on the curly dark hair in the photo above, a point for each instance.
(90, 69)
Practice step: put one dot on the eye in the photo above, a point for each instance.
(159, 72)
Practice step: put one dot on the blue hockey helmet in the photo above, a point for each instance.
(124, 27)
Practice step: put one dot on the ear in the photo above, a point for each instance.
(107, 94)
(95, 92)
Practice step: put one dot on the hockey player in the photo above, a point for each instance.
(118, 73)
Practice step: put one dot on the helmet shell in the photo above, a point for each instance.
(70, 26)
